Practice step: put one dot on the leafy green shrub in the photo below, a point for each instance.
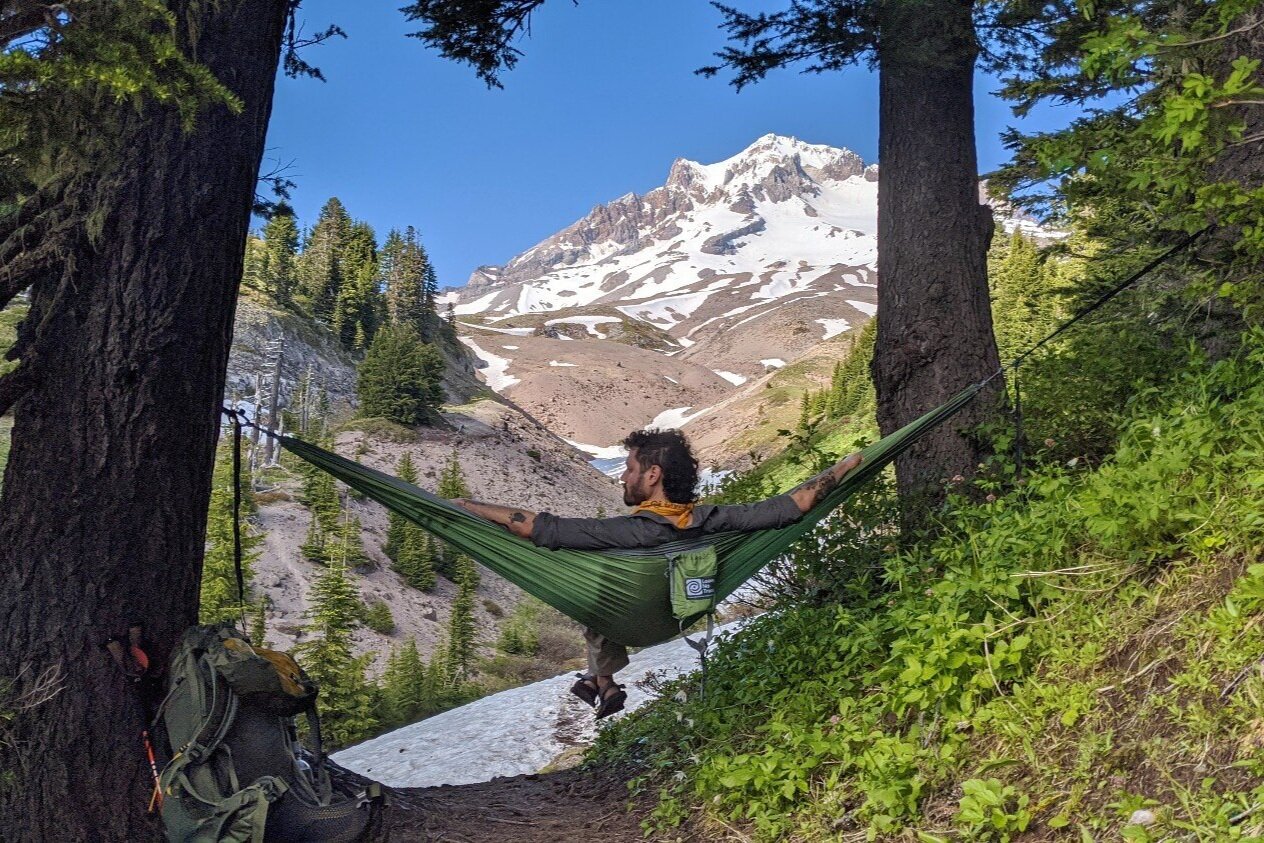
(520, 636)
(990, 810)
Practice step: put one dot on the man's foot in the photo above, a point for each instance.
(612, 699)
(586, 689)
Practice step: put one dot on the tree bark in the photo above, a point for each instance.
(103, 512)
(934, 318)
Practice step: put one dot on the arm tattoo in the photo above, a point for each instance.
(517, 518)
(820, 485)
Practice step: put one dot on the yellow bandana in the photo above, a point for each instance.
(682, 512)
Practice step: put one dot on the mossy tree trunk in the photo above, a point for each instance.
(103, 513)
(934, 320)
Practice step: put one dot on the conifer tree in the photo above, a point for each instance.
(461, 626)
(397, 525)
(280, 241)
(409, 281)
(348, 700)
(400, 378)
(356, 310)
(451, 485)
(452, 480)
(259, 622)
(219, 575)
(417, 559)
(320, 268)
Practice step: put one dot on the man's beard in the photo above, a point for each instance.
(632, 495)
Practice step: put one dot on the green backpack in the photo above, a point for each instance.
(237, 770)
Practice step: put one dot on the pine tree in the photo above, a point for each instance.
(451, 480)
(397, 525)
(400, 378)
(410, 283)
(348, 699)
(320, 268)
(416, 563)
(356, 310)
(461, 628)
(259, 623)
(313, 546)
(280, 241)
(451, 485)
(218, 600)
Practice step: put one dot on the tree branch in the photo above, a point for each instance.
(16, 384)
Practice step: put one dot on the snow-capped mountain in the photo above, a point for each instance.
(731, 270)
(783, 227)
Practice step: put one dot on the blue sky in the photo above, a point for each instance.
(601, 104)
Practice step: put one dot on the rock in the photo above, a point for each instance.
(1141, 816)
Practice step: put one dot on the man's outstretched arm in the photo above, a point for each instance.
(520, 522)
(812, 492)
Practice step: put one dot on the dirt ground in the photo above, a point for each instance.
(537, 808)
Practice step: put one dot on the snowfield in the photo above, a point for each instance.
(507, 734)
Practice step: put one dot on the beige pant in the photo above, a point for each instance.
(605, 657)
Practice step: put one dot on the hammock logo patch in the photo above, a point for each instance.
(697, 588)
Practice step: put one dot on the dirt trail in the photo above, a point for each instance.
(537, 808)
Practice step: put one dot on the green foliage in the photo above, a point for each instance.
(348, 701)
(378, 617)
(990, 810)
(520, 634)
(408, 545)
(218, 595)
(974, 646)
(1169, 151)
(400, 377)
(462, 633)
(98, 51)
(259, 622)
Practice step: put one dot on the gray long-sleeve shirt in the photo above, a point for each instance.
(648, 529)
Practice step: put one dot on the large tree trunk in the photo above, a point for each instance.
(934, 319)
(103, 513)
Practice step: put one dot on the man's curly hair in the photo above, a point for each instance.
(670, 451)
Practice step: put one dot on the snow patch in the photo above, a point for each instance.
(863, 306)
(731, 377)
(833, 327)
(673, 380)
(601, 452)
(496, 374)
(506, 734)
(517, 332)
(589, 322)
(677, 417)
(775, 362)
(557, 363)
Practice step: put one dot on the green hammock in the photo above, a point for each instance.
(620, 593)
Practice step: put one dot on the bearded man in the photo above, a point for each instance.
(659, 482)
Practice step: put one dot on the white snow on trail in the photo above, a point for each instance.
(507, 734)
(731, 377)
(496, 374)
(775, 362)
(863, 306)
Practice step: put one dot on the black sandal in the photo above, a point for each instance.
(611, 703)
(586, 689)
